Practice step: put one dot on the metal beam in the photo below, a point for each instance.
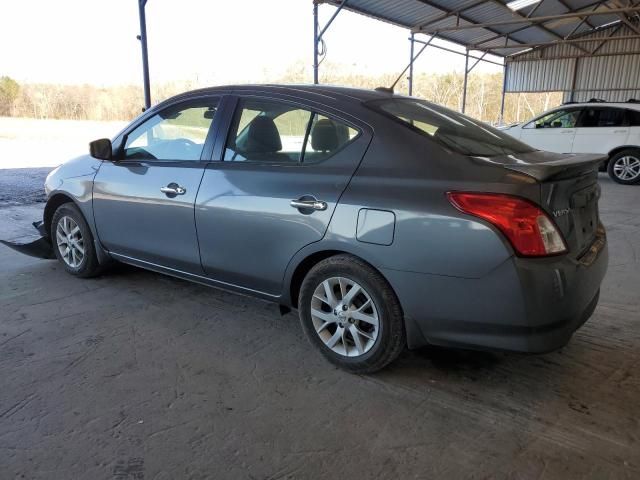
(520, 29)
(145, 53)
(569, 9)
(459, 16)
(504, 91)
(446, 15)
(607, 39)
(460, 53)
(318, 34)
(476, 62)
(413, 59)
(540, 25)
(532, 21)
(333, 17)
(556, 42)
(464, 84)
(315, 43)
(566, 57)
(411, 49)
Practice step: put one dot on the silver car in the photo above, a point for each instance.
(385, 220)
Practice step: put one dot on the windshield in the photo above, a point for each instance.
(451, 129)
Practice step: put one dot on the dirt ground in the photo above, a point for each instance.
(135, 375)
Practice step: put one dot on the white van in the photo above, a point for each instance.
(594, 127)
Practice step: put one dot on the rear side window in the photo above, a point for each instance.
(278, 132)
(449, 128)
(556, 119)
(602, 117)
(634, 118)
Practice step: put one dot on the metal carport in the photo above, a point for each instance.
(584, 48)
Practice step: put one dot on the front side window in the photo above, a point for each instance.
(177, 133)
(602, 117)
(557, 119)
(449, 128)
(272, 131)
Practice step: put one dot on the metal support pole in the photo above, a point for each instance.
(145, 54)
(411, 60)
(315, 43)
(464, 86)
(504, 89)
(411, 64)
(574, 80)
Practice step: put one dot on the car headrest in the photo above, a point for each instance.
(324, 135)
(263, 136)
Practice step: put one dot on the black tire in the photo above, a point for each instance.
(614, 167)
(89, 265)
(391, 336)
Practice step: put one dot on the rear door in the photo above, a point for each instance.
(600, 130)
(272, 188)
(143, 201)
(552, 132)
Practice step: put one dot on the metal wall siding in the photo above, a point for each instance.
(540, 76)
(604, 77)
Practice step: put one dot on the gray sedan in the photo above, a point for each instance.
(386, 221)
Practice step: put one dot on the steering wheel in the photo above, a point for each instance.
(187, 142)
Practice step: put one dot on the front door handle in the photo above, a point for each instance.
(173, 189)
(311, 204)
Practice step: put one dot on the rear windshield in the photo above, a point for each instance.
(449, 128)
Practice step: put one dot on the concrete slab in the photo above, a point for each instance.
(134, 375)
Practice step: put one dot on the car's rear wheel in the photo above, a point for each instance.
(73, 242)
(351, 314)
(624, 167)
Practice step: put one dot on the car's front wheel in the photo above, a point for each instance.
(351, 314)
(624, 167)
(73, 242)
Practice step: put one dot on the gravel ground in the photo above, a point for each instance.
(135, 375)
(22, 186)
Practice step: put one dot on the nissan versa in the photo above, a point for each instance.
(386, 221)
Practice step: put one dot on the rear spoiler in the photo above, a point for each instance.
(546, 165)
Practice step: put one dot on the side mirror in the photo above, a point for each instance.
(101, 149)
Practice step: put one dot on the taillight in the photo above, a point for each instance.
(529, 229)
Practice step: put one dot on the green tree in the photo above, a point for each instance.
(9, 90)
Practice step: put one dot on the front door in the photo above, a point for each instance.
(273, 190)
(143, 201)
(553, 132)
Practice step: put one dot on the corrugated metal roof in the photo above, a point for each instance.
(453, 20)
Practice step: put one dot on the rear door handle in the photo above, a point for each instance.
(173, 189)
(619, 131)
(311, 204)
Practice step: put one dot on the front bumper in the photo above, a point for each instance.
(35, 245)
(524, 305)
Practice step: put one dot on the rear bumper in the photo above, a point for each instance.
(524, 305)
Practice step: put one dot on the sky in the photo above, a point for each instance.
(207, 42)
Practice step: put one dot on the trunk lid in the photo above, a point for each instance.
(569, 191)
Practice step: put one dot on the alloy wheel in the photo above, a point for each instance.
(345, 316)
(627, 168)
(70, 242)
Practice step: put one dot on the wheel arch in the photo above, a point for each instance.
(304, 263)
(52, 205)
(617, 150)
(60, 198)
